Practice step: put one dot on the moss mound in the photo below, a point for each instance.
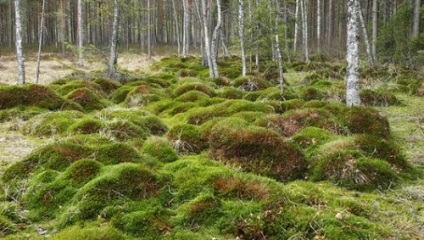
(107, 86)
(30, 95)
(377, 98)
(250, 83)
(51, 123)
(230, 93)
(82, 171)
(186, 139)
(189, 86)
(365, 120)
(88, 99)
(159, 148)
(87, 125)
(256, 149)
(115, 153)
(192, 96)
(73, 85)
(89, 233)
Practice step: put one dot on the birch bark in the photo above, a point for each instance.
(416, 26)
(215, 39)
(352, 56)
(19, 50)
(365, 33)
(80, 35)
(113, 41)
(241, 34)
(40, 41)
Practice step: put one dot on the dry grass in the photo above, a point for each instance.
(54, 67)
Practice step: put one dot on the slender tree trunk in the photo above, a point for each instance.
(80, 35)
(149, 31)
(177, 28)
(63, 25)
(365, 33)
(19, 50)
(280, 66)
(416, 26)
(330, 23)
(215, 40)
(186, 28)
(113, 58)
(40, 41)
(352, 56)
(9, 23)
(296, 26)
(319, 25)
(374, 29)
(304, 9)
(241, 34)
(206, 37)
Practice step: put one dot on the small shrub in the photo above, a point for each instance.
(159, 148)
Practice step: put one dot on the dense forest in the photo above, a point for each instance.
(253, 119)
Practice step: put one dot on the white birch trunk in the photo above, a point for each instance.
(80, 35)
(416, 26)
(365, 33)
(304, 10)
(374, 28)
(40, 41)
(319, 25)
(352, 56)
(330, 23)
(113, 41)
(206, 38)
(215, 39)
(241, 34)
(296, 26)
(19, 50)
(149, 30)
(177, 28)
(186, 30)
(280, 66)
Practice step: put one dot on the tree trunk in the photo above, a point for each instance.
(280, 66)
(206, 37)
(40, 41)
(304, 10)
(19, 50)
(215, 40)
(416, 26)
(149, 31)
(296, 26)
(177, 28)
(80, 35)
(63, 25)
(330, 23)
(186, 28)
(352, 56)
(113, 58)
(365, 33)
(241, 34)
(319, 25)
(374, 28)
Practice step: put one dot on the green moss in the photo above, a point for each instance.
(292, 121)
(56, 156)
(250, 83)
(310, 138)
(230, 93)
(7, 227)
(87, 125)
(124, 130)
(186, 139)
(315, 104)
(159, 148)
(311, 93)
(115, 153)
(377, 98)
(89, 233)
(88, 99)
(30, 95)
(292, 104)
(71, 86)
(121, 93)
(192, 96)
(255, 149)
(107, 86)
(51, 123)
(371, 122)
(119, 182)
(20, 112)
(189, 86)
(82, 171)
(204, 209)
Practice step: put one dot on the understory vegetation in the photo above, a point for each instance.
(172, 154)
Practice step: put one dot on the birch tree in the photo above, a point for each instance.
(296, 26)
(80, 35)
(19, 49)
(241, 34)
(352, 56)
(365, 34)
(177, 28)
(319, 25)
(416, 25)
(40, 41)
(186, 28)
(206, 38)
(214, 41)
(113, 41)
(304, 13)
(374, 28)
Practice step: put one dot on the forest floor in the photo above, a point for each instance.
(399, 209)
